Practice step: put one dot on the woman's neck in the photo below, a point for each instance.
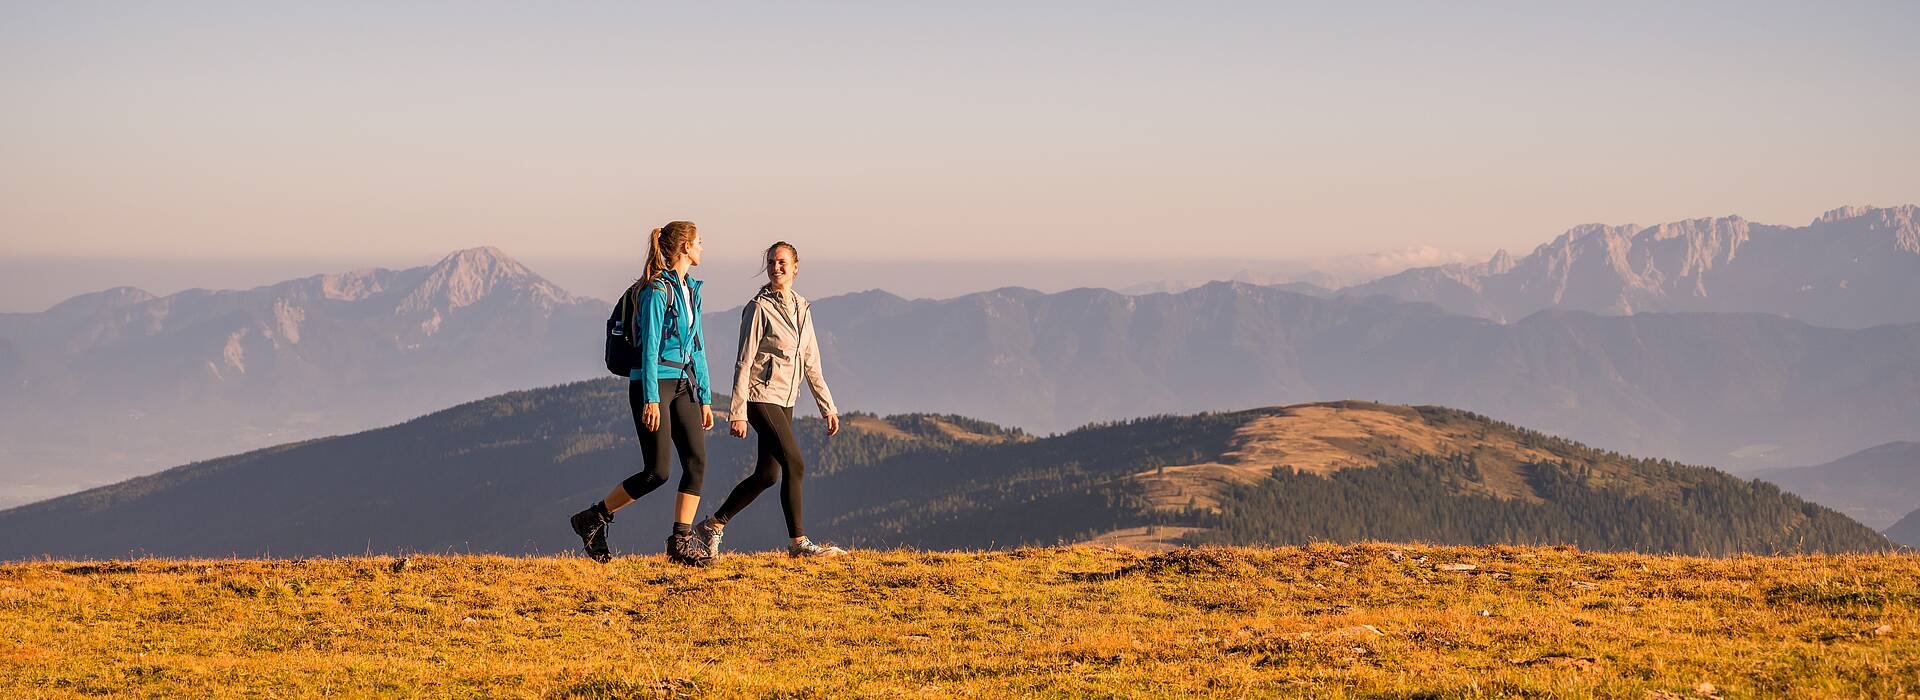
(681, 266)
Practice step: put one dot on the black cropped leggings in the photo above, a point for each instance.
(779, 453)
(679, 430)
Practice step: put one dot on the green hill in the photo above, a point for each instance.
(501, 475)
(1907, 531)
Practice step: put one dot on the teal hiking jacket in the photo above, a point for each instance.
(670, 353)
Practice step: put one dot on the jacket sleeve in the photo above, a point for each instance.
(651, 319)
(743, 361)
(816, 380)
(702, 383)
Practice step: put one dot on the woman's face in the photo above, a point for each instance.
(693, 249)
(781, 267)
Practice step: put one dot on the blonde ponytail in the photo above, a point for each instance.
(665, 245)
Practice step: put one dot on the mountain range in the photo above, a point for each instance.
(1737, 390)
(118, 383)
(1852, 267)
(503, 474)
(122, 382)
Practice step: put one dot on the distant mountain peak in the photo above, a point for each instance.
(484, 257)
(104, 300)
(1500, 263)
(1853, 267)
(1584, 231)
(1902, 222)
(464, 277)
(1850, 211)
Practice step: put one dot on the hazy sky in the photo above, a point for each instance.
(978, 131)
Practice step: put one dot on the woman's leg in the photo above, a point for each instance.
(690, 440)
(591, 524)
(796, 469)
(655, 448)
(766, 469)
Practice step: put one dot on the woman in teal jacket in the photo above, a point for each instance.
(672, 369)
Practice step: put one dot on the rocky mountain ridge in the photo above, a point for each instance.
(202, 372)
(1851, 267)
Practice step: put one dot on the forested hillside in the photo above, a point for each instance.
(502, 475)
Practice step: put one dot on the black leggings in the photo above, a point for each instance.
(778, 452)
(679, 429)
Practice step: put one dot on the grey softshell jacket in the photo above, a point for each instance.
(777, 348)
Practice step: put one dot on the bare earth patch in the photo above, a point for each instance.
(1150, 538)
(870, 424)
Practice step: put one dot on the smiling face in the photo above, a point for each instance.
(781, 267)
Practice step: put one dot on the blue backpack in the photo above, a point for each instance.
(623, 345)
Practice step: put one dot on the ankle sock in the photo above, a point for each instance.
(682, 529)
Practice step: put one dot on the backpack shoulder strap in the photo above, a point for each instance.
(630, 305)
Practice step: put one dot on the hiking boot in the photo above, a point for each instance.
(591, 526)
(686, 549)
(806, 548)
(710, 531)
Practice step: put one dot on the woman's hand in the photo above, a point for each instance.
(833, 425)
(650, 417)
(706, 417)
(738, 428)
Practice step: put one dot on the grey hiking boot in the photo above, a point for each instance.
(710, 531)
(591, 526)
(686, 549)
(806, 548)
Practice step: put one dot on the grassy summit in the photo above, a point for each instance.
(1321, 620)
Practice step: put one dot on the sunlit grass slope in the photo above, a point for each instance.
(1320, 621)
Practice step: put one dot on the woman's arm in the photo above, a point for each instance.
(651, 319)
(810, 360)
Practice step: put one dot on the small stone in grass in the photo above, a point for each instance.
(1359, 632)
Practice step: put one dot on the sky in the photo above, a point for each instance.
(263, 136)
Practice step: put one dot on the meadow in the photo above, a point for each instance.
(1367, 620)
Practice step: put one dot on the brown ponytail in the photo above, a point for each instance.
(665, 246)
(763, 262)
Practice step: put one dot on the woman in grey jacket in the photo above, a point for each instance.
(777, 349)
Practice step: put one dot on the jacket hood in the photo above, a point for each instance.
(774, 297)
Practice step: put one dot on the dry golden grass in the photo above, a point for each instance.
(962, 434)
(1321, 621)
(1322, 439)
(1325, 438)
(876, 426)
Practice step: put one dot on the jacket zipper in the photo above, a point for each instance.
(799, 353)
